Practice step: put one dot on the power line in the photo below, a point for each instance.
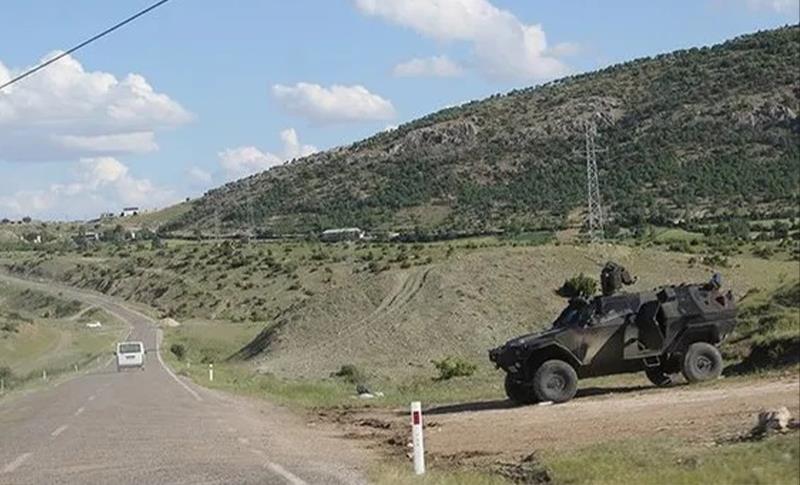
(84, 43)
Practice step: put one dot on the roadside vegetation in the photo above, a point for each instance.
(44, 333)
(775, 460)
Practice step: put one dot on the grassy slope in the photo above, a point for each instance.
(41, 332)
(330, 309)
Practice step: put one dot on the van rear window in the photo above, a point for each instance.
(130, 348)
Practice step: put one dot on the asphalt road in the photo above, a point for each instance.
(151, 427)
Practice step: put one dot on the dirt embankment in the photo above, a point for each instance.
(490, 433)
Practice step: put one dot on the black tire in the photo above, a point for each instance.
(555, 381)
(519, 392)
(702, 362)
(658, 377)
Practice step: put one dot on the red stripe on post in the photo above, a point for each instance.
(416, 418)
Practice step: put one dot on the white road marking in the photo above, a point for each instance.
(80, 411)
(59, 430)
(286, 474)
(18, 461)
(169, 371)
(289, 476)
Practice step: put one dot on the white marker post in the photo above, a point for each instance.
(44, 375)
(211, 372)
(416, 438)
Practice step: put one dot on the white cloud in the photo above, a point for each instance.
(564, 49)
(242, 161)
(780, 6)
(100, 184)
(64, 112)
(504, 47)
(292, 148)
(437, 66)
(199, 176)
(246, 160)
(137, 142)
(333, 104)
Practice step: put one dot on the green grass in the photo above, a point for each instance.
(39, 332)
(676, 235)
(212, 342)
(395, 474)
(770, 462)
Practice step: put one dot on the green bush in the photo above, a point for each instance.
(450, 367)
(6, 374)
(178, 350)
(763, 252)
(717, 260)
(350, 373)
(580, 285)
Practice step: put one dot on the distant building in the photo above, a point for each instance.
(129, 211)
(342, 234)
(106, 215)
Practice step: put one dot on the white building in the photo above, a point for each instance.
(129, 211)
(342, 234)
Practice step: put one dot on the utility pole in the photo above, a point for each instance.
(595, 208)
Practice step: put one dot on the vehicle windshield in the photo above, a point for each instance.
(130, 348)
(573, 316)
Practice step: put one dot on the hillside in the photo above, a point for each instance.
(306, 309)
(690, 135)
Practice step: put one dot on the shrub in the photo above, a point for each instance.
(763, 252)
(350, 373)
(178, 350)
(450, 367)
(580, 285)
(715, 260)
(788, 296)
(6, 374)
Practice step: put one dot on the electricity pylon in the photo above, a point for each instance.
(595, 213)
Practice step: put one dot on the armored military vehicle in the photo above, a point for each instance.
(670, 330)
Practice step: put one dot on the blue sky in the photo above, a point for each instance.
(223, 89)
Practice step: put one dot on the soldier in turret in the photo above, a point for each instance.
(613, 276)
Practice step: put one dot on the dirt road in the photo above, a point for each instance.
(496, 430)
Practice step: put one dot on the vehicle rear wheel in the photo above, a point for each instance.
(555, 381)
(518, 391)
(658, 377)
(702, 362)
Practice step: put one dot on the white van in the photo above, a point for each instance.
(130, 354)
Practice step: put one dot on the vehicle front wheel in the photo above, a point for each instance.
(658, 377)
(702, 362)
(518, 391)
(555, 381)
